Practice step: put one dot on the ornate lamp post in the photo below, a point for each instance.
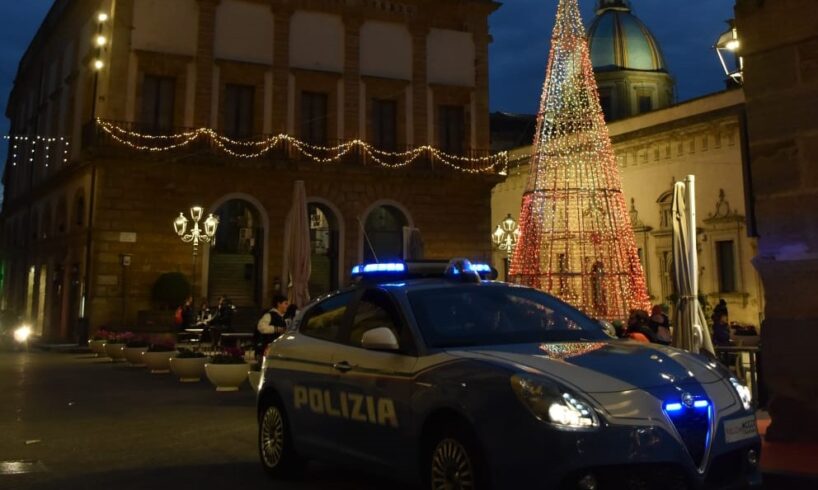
(196, 234)
(505, 238)
(729, 44)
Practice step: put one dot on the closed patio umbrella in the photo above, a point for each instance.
(690, 332)
(299, 250)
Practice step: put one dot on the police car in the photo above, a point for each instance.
(429, 373)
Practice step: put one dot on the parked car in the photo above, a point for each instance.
(428, 372)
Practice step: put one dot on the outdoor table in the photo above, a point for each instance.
(193, 334)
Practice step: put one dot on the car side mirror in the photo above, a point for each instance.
(381, 338)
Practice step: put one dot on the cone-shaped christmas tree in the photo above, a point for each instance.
(576, 242)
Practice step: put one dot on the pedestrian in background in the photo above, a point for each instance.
(271, 325)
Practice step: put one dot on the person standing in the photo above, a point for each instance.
(659, 324)
(271, 325)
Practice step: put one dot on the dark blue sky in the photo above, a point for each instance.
(686, 30)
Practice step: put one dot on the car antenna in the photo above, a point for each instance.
(368, 242)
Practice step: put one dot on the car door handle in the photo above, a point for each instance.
(343, 366)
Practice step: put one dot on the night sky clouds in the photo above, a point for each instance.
(686, 30)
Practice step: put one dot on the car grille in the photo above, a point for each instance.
(693, 426)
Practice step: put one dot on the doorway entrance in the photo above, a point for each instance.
(237, 255)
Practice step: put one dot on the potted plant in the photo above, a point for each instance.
(116, 342)
(188, 365)
(133, 350)
(157, 357)
(227, 370)
(98, 341)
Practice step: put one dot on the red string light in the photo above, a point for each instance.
(576, 242)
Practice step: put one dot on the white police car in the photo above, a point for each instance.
(455, 382)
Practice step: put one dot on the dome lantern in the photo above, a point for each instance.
(604, 5)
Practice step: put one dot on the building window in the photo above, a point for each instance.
(645, 103)
(384, 124)
(314, 118)
(79, 210)
(383, 238)
(451, 131)
(158, 95)
(725, 261)
(238, 110)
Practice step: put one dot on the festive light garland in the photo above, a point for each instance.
(250, 149)
(576, 241)
(24, 148)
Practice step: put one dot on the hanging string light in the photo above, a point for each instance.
(23, 145)
(576, 240)
(250, 149)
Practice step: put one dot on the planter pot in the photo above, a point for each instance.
(189, 369)
(114, 351)
(254, 377)
(97, 347)
(158, 362)
(226, 377)
(134, 355)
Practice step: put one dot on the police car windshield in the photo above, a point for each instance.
(489, 314)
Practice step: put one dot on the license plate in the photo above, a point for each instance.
(740, 429)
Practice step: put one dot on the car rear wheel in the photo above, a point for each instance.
(455, 462)
(278, 456)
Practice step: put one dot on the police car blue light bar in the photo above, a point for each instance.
(701, 404)
(385, 267)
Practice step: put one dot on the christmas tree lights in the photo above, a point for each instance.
(576, 241)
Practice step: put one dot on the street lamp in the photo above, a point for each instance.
(728, 45)
(505, 237)
(196, 234)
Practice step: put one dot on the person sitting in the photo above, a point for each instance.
(271, 325)
(638, 328)
(221, 321)
(205, 313)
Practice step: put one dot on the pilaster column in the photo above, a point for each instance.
(120, 57)
(420, 85)
(282, 16)
(352, 76)
(205, 62)
(481, 85)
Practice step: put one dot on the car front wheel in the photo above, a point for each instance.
(455, 463)
(276, 449)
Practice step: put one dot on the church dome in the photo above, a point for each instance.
(620, 41)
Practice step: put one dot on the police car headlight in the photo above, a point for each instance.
(553, 404)
(743, 392)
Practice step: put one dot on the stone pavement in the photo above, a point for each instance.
(70, 421)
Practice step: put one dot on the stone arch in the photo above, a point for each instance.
(340, 239)
(262, 251)
(363, 217)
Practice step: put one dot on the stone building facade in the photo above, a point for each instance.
(781, 86)
(87, 218)
(702, 137)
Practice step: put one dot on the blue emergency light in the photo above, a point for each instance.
(381, 268)
(676, 407)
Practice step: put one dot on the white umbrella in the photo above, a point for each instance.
(299, 248)
(691, 331)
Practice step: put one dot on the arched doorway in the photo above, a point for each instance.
(236, 258)
(384, 233)
(325, 242)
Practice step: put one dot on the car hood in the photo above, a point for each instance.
(602, 367)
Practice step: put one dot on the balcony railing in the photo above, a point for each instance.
(114, 138)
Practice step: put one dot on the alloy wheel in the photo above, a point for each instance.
(272, 437)
(451, 467)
